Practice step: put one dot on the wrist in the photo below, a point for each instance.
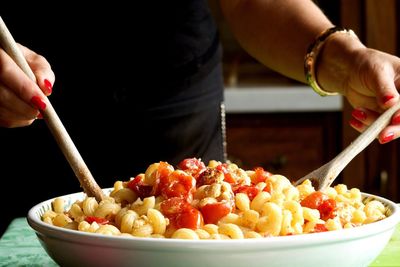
(336, 60)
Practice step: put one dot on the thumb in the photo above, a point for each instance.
(385, 89)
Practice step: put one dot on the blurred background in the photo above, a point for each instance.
(271, 121)
(284, 126)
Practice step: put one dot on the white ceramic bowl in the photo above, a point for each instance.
(356, 247)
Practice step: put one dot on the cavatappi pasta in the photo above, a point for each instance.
(220, 201)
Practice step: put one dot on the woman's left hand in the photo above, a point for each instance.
(368, 78)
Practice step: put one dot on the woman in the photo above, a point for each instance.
(133, 89)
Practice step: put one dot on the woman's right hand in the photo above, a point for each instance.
(21, 99)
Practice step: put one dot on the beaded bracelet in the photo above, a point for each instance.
(310, 59)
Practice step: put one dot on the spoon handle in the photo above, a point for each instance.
(52, 120)
(324, 176)
(364, 139)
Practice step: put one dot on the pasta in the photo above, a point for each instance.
(218, 201)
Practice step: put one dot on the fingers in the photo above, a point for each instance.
(13, 78)
(373, 90)
(13, 124)
(396, 118)
(379, 74)
(362, 118)
(365, 116)
(21, 98)
(386, 92)
(382, 78)
(41, 68)
(392, 131)
(13, 108)
(357, 99)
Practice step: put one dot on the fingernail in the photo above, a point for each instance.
(387, 138)
(387, 98)
(396, 120)
(38, 103)
(359, 114)
(356, 124)
(48, 86)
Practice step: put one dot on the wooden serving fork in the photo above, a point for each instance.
(324, 176)
(52, 120)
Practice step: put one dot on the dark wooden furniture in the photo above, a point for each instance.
(291, 144)
(295, 143)
(376, 170)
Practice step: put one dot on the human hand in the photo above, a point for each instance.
(372, 88)
(369, 79)
(21, 99)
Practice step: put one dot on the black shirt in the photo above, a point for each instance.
(135, 84)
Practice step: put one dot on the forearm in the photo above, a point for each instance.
(277, 33)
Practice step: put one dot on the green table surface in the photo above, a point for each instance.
(20, 247)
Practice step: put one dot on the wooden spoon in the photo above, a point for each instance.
(55, 125)
(323, 177)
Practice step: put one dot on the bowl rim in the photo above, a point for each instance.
(43, 229)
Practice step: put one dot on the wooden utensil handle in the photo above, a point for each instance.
(365, 138)
(52, 120)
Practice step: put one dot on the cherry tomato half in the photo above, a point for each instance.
(321, 202)
(193, 166)
(314, 200)
(260, 175)
(181, 214)
(137, 186)
(174, 205)
(191, 218)
(213, 212)
(327, 209)
(177, 184)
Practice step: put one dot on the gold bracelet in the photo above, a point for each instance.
(310, 59)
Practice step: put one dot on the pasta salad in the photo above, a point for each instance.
(217, 201)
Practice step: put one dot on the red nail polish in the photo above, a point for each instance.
(359, 114)
(39, 116)
(396, 120)
(386, 98)
(38, 102)
(48, 86)
(389, 137)
(356, 124)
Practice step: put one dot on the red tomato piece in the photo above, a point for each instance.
(174, 205)
(222, 167)
(192, 166)
(164, 169)
(177, 184)
(141, 189)
(191, 218)
(321, 202)
(314, 200)
(213, 212)
(250, 190)
(327, 209)
(227, 176)
(260, 175)
(91, 219)
(181, 214)
(320, 228)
